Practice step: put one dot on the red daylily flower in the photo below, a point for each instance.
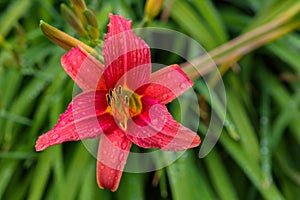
(122, 101)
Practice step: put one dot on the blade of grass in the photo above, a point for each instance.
(19, 193)
(7, 169)
(7, 94)
(219, 176)
(49, 99)
(41, 175)
(213, 19)
(25, 100)
(285, 167)
(286, 50)
(191, 23)
(78, 163)
(234, 49)
(90, 189)
(8, 18)
(235, 19)
(131, 187)
(283, 100)
(102, 15)
(186, 180)
(250, 168)
(276, 11)
(243, 125)
(265, 137)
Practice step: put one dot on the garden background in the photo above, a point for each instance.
(256, 46)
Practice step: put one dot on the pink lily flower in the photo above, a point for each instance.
(122, 101)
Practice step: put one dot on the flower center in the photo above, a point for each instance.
(123, 105)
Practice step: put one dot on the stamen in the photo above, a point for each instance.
(127, 100)
(108, 99)
(119, 90)
(123, 105)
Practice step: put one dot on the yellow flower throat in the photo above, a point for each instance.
(123, 104)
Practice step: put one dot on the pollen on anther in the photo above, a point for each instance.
(119, 90)
(127, 100)
(108, 99)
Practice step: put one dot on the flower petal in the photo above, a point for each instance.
(156, 128)
(167, 84)
(123, 51)
(112, 155)
(83, 68)
(86, 117)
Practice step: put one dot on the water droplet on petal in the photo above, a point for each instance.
(183, 85)
(121, 156)
(95, 130)
(154, 121)
(124, 145)
(119, 167)
(165, 96)
(40, 146)
(54, 136)
(145, 51)
(47, 142)
(151, 87)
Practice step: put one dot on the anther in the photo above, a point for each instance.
(127, 100)
(108, 99)
(119, 90)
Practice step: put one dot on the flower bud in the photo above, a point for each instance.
(93, 32)
(72, 20)
(61, 38)
(90, 18)
(152, 8)
(79, 6)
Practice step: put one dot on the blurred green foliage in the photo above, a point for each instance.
(263, 97)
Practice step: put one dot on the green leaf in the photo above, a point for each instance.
(219, 176)
(186, 180)
(41, 175)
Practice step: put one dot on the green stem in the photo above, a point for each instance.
(236, 48)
